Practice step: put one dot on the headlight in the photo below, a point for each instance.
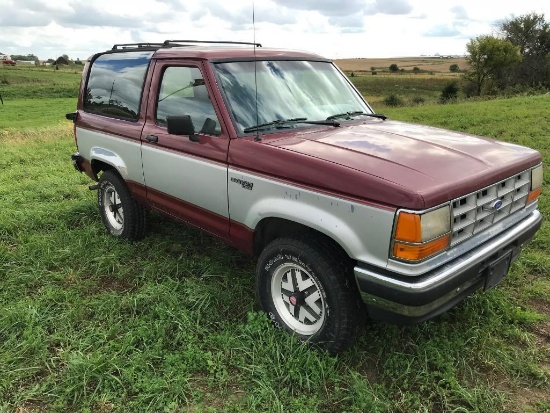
(536, 184)
(421, 235)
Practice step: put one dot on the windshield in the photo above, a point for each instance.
(286, 90)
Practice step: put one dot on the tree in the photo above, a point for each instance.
(491, 58)
(449, 92)
(454, 68)
(62, 60)
(28, 57)
(531, 33)
(394, 68)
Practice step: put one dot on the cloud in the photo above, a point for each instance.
(326, 7)
(12, 16)
(459, 12)
(86, 15)
(348, 24)
(178, 4)
(444, 31)
(391, 7)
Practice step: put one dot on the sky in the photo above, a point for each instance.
(332, 28)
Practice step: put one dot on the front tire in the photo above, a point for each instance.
(303, 286)
(121, 214)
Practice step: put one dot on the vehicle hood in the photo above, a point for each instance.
(425, 165)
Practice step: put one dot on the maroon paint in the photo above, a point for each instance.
(386, 162)
(190, 213)
(110, 126)
(389, 163)
(215, 53)
(241, 237)
(86, 167)
(139, 192)
(237, 235)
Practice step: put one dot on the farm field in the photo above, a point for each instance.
(170, 323)
(430, 64)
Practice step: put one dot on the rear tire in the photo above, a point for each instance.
(121, 214)
(303, 286)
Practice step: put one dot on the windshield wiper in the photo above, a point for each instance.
(280, 123)
(349, 115)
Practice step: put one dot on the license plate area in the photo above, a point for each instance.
(496, 270)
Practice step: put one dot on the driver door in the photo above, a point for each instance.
(186, 179)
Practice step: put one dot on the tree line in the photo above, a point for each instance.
(517, 55)
(61, 60)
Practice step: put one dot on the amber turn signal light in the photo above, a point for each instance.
(419, 252)
(533, 195)
(408, 227)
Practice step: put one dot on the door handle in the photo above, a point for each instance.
(152, 138)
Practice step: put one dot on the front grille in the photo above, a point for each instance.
(477, 211)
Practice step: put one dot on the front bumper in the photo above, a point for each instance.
(410, 300)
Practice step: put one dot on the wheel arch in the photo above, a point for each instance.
(103, 159)
(99, 166)
(268, 229)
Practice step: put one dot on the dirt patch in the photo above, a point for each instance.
(114, 284)
(541, 330)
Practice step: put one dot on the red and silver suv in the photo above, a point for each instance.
(276, 153)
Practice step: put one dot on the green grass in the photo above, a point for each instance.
(29, 82)
(407, 87)
(170, 323)
(35, 113)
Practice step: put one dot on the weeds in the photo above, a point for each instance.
(393, 100)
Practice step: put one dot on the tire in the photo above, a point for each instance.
(303, 287)
(121, 214)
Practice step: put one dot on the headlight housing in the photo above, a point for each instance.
(420, 235)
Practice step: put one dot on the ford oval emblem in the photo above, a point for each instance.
(497, 204)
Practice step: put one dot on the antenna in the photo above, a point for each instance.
(257, 137)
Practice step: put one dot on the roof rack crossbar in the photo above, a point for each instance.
(178, 42)
(135, 45)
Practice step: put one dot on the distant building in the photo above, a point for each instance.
(5, 56)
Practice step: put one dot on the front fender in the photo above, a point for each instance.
(363, 231)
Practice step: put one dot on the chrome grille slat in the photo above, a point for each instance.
(474, 212)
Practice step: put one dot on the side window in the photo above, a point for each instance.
(183, 92)
(115, 84)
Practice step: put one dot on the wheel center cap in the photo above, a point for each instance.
(293, 300)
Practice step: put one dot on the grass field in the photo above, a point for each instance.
(170, 323)
(24, 82)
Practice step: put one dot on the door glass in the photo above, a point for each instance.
(183, 92)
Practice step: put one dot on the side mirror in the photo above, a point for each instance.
(182, 125)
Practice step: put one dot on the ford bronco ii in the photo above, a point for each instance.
(276, 153)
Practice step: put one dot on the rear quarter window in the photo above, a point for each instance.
(115, 84)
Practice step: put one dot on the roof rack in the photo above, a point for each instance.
(135, 45)
(183, 42)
